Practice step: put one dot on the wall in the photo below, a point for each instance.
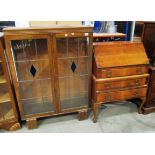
(50, 23)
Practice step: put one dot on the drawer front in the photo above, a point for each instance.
(121, 95)
(101, 86)
(127, 71)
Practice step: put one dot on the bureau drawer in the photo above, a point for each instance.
(124, 83)
(122, 71)
(121, 95)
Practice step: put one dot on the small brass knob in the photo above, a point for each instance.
(107, 98)
(138, 71)
(136, 93)
(107, 85)
(137, 83)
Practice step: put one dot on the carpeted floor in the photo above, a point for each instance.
(111, 118)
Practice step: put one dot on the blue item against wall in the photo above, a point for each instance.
(97, 26)
(126, 30)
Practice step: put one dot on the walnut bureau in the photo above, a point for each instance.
(8, 109)
(51, 69)
(120, 72)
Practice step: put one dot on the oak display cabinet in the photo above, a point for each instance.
(8, 112)
(51, 70)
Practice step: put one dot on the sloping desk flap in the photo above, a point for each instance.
(114, 54)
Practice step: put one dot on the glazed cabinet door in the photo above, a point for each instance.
(31, 57)
(72, 52)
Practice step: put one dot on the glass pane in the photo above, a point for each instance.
(61, 47)
(83, 48)
(42, 50)
(19, 54)
(83, 65)
(72, 47)
(37, 105)
(30, 89)
(62, 67)
(64, 89)
(29, 48)
(22, 71)
(34, 75)
(44, 70)
(73, 71)
(74, 86)
(83, 85)
(74, 102)
(45, 87)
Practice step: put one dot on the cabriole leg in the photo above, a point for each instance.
(141, 105)
(95, 108)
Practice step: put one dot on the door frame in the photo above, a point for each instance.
(8, 39)
(56, 78)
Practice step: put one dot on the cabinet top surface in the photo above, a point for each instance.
(115, 54)
(48, 29)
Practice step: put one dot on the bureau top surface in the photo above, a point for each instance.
(115, 54)
(48, 29)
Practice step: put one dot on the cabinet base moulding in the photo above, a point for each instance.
(13, 126)
(83, 115)
(32, 123)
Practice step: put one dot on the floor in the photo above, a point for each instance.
(111, 118)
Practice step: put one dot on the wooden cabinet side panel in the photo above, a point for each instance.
(6, 75)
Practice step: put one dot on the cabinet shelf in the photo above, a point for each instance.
(2, 79)
(4, 98)
(7, 115)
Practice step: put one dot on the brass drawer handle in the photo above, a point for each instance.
(109, 74)
(139, 71)
(137, 83)
(107, 85)
(107, 98)
(136, 93)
